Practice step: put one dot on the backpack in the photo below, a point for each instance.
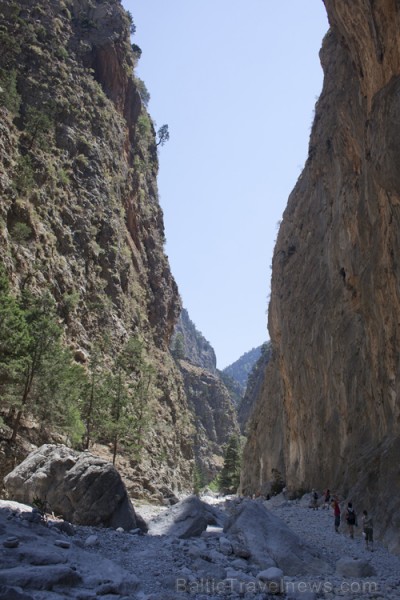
(351, 517)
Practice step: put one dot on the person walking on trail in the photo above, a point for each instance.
(351, 519)
(327, 498)
(368, 531)
(314, 500)
(336, 513)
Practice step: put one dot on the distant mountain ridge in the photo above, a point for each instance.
(241, 368)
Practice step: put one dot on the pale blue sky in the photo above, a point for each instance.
(236, 81)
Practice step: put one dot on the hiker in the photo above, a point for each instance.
(368, 531)
(336, 513)
(351, 518)
(327, 497)
(314, 500)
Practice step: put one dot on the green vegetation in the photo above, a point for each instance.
(66, 172)
(178, 349)
(9, 96)
(37, 374)
(229, 477)
(162, 135)
(39, 377)
(21, 232)
(198, 479)
(137, 53)
(132, 26)
(24, 178)
(38, 124)
(143, 91)
(144, 125)
(129, 389)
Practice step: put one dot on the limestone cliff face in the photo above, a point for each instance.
(254, 382)
(210, 402)
(214, 417)
(190, 344)
(79, 211)
(332, 386)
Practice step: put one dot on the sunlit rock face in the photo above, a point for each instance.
(78, 177)
(328, 413)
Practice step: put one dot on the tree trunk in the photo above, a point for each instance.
(17, 422)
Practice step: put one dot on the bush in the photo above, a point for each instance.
(21, 232)
(9, 96)
(143, 91)
(144, 126)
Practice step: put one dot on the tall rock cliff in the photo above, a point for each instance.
(210, 401)
(254, 382)
(328, 414)
(79, 211)
(187, 342)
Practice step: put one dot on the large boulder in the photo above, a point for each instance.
(80, 487)
(188, 518)
(270, 541)
(354, 567)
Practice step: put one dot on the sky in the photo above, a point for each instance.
(236, 81)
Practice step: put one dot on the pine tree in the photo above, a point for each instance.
(129, 388)
(198, 479)
(95, 398)
(229, 478)
(178, 350)
(46, 382)
(14, 336)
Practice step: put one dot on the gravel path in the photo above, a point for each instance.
(160, 561)
(152, 567)
(316, 527)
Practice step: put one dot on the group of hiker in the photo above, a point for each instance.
(350, 516)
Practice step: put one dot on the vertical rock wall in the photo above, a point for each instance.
(332, 386)
(79, 210)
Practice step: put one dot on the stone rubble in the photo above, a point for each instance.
(214, 565)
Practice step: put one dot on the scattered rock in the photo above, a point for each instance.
(39, 578)
(11, 542)
(225, 546)
(273, 578)
(63, 526)
(62, 544)
(92, 540)
(188, 518)
(354, 567)
(13, 593)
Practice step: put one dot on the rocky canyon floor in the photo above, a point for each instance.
(265, 550)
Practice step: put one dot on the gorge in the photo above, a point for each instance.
(80, 217)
